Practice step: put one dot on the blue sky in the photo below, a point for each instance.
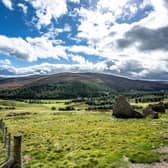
(126, 37)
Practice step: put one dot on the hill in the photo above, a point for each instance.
(70, 85)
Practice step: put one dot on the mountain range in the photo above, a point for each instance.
(73, 85)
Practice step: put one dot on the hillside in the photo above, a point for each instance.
(72, 85)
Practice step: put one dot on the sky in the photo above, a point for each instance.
(120, 37)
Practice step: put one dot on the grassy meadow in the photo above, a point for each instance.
(83, 139)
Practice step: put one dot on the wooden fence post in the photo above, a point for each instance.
(2, 127)
(18, 151)
(9, 145)
(3, 131)
(5, 137)
(1, 123)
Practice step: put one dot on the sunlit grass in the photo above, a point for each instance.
(2, 150)
(85, 139)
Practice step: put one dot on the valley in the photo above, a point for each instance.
(81, 138)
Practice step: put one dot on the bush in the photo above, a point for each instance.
(67, 108)
(10, 108)
(105, 107)
(53, 108)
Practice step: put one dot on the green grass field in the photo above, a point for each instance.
(80, 139)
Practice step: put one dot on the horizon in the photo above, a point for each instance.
(83, 73)
(127, 38)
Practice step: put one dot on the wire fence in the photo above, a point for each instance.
(14, 153)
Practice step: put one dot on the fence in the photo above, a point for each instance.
(14, 159)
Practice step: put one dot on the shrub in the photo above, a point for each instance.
(53, 108)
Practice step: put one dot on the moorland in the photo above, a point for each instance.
(80, 131)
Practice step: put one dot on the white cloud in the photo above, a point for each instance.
(16, 47)
(44, 48)
(48, 10)
(94, 24)
(31, 49)
(83, 49)
(116, 7)
(79, 59)
(23, 7)
(5, 62)
(6, 67)
(100, 29)
(8, 4)
(132, 68)
(158, 17)
(67, 28)
(74, 1)
(46, 68)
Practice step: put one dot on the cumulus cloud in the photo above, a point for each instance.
(130, 45)
(48, 10)
(79, 59)
(136, 47)
(23, 7)
(15, 47)
(5, 62)
(6, 68)
(8, 4)
(83, 49)
(46, 68)
(31, 49)
(133, 69)
(125, 68)
(146, 39)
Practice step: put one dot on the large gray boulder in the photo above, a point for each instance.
(160, 107)
(122, 109)
(150, 113)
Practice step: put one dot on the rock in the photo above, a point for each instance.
(149, 112)
(153, 110)
(122, 109)
(160, 107)
(166, 105)
(137, 114)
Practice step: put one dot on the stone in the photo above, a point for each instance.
(160, 107)
(166, 105)
(122, 109)
(149, 112)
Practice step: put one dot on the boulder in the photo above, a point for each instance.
(160, 107)
(122, 109)
(149, 112)
(166, 105)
